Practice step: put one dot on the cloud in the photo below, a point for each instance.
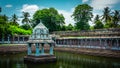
(67, 15)
(83, 1)
(101, 4)
(8, 6)
(33, 8)
(29, 8)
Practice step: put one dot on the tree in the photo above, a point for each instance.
(26, 27)
(82, 14)
(25, 19)
(3, 26)
(50, 18)
(5, 18)
(115, 18)
(107, 16)
(14, 19)
(98, 23)
(70, 27)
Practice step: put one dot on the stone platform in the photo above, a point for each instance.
(40, 59)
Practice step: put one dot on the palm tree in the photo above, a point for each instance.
(98, 23)
(25, 18)
(116, 18)
(106, 15)
(14, 19)
(5, 18)
(96, 18)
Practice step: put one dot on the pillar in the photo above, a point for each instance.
(90, 42)
(18, 39)
(117, 42)
(106, 44)
(29, 49)
(23, 40)
(81, 43)
(2, 39)
(8, 39)
(100, 43)
(42, 48)
(51, 49)
(37, 49)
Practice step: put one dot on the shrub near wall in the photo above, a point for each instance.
(20, 31)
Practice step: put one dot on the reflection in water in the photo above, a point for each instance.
(64, 60)
(82, 61)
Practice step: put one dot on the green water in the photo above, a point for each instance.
(64, 60)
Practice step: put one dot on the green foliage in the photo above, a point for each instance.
(91, 27)
(50, 18)
(116, 18)
(3, 25)
(25, 19)
(98, 23)
(106, 15)
(82, 14)
(17, 30)
(26, 27)
(11, 28)
(69, 27)
(63, 28)
(14, 20)
(111, 19)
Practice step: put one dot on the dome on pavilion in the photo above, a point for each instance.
(40, 32)
(40, 26)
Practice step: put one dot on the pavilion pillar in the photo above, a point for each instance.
(51, 49)
(42, 48)
(37, 49)
(29, 49)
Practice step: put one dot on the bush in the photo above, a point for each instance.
(19, 31)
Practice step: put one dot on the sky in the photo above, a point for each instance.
(65, 7)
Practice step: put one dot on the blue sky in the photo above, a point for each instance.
(66, 7)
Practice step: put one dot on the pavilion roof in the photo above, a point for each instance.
(41, 26)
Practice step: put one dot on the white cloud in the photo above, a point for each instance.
(29, 8)
(100, 4)
(67, 15)
(33, 8)
(83, 1)
(8, 5)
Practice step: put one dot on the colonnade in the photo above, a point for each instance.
(39, 49)
(101, 43)
(15, 39)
